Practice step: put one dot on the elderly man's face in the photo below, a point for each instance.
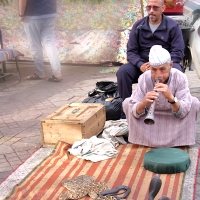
(155, 9)
(161, 72)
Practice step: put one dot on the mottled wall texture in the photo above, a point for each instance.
(86, 32)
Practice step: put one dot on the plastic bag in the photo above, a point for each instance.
(106, 93)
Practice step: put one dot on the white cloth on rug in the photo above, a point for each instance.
(114, 130)
(94, 149)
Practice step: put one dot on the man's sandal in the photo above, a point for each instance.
(54, 79)
(34, 77)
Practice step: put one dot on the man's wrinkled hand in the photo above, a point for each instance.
(144, 67)
(164, 89)
(150, 97)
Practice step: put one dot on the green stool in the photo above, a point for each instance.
(166, 160)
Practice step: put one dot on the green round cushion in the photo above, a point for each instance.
(166, 160)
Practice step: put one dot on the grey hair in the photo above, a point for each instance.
(168, 62)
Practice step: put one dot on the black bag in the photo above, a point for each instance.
(106, 93)
(108, 88)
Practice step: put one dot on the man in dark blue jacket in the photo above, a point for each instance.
(38, 17)
(154, 29)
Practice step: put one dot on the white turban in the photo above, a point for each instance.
(158, 55)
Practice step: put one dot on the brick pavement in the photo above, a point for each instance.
(25, 103)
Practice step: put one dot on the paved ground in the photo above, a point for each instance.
(25, 103)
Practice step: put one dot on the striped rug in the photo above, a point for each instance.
(44, 182)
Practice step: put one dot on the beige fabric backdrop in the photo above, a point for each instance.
(88, 33)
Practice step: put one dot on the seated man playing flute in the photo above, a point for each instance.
(175, 111)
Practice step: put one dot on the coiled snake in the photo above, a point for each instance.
(82, 186)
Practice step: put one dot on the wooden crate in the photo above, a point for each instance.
(73, 122)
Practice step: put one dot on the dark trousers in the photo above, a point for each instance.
(127, 75)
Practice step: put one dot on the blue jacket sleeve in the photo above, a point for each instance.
(177, 44)
(133, 56)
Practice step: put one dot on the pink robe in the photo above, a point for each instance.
(168, 130)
